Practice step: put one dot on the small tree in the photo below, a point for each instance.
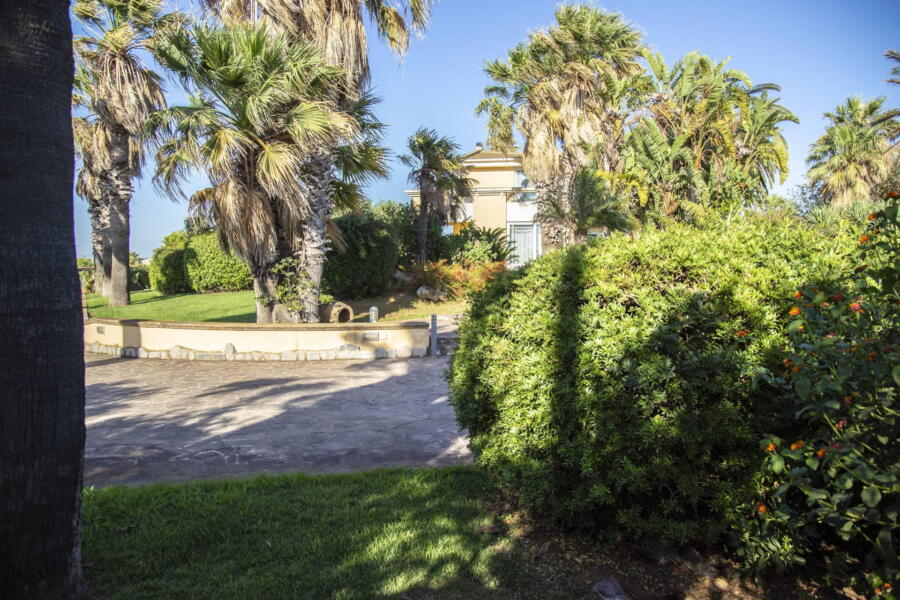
(438, 171)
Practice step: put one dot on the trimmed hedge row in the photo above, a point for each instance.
(613, 383)
(366, 266)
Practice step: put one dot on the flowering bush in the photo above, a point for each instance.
(611, 384)
(836, 480)
(460, 280)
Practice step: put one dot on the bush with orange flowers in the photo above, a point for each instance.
(840, 488)
(609, 385)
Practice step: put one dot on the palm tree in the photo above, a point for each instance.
(121, 93)
(88, 186)
(261, 105)
(438, 171)
(562, 91)
(337, 29)
(856, 151)
(593, 205)
(41, 340)
(894, 56)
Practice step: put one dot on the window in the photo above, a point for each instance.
(521, 180)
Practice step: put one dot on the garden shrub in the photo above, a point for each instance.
(86, 277)
(473, 245)
(211, 269)
(836, 480)
(138, 278)
(168, 273)
(613, 383)
(403, 222)
(460, 280)
(366, 266)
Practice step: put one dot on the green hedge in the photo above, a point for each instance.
(613, 383)
(211, 269)
(366, 266)
(167, 269)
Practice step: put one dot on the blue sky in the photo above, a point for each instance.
(818, 52)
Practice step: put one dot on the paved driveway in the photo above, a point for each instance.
(161, 420)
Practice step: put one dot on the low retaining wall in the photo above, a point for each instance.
(239, 341)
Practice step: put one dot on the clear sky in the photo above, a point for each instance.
(819, 52)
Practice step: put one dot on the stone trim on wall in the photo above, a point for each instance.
(249, 342)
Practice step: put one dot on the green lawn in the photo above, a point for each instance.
(239, 307)
(383, 534)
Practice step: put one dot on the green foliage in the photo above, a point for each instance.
(461, 280)
(138, 278)
(211, 269)
(836, 480)
(168, 273)
(366, 266)
(475, 245)
(612, 383)
(401, 218)
(86, 277)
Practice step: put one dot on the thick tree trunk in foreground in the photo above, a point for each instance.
(41, 347)
(264, 299)
(119, 189)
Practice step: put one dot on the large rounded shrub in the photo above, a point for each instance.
(614, 383)
(367, 264)
(167, 270)
(211, 269)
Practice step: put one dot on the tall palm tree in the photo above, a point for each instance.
(88, 186)
(261, 104)
(41, 339)
(894, 56)
(121, 92)
(337, 29)
(560, 89)
(856, 151)
(438, 171)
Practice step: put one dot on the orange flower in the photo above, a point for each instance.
(821, 453)
(796, 368)
(761, 507)
(872, 356)
(798, 294)
(771, 447)
(826, 304)
(872, 217)
(891, 194)
(794, 311)
(797, 445)
(848, 399)
(788, 362)
(887, 586)
(863, 239)
(856, 307)
(742, 333)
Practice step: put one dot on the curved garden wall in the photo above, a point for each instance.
(240, 341)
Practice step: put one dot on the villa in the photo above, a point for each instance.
(501, 197)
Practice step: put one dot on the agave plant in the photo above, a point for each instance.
(261, 105)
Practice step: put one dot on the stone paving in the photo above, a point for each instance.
(173, 420)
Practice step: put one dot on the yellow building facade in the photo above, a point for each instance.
(502, 197)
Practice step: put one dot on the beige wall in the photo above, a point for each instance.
(490, 210)
(233, 341)
(494, 177)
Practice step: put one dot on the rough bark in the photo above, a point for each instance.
(118, 188)
(102, 251)
(315, 242)
(41, 347)
(264, 299)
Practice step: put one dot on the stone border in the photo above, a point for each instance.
(215, 341)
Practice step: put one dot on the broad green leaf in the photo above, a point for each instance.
(871, 496)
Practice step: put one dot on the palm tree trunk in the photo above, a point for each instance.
(315, 242)
(118, 188)
(41, 336)
(422, 234)
(265, 298)
(102, 251)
